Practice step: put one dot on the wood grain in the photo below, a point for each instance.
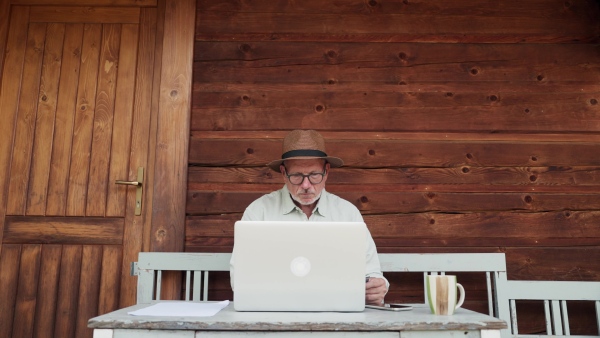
(82, 14)
(9, 264)
(26, 120)
(139, 156)
(66, 304)
(45, 311)
(112, 256)
(63, 230)
(63, 125)
(45, 118)
(103, 121)
(89, 288)
(84, 120)
(116, 3)
(123, 119)
(29, 274)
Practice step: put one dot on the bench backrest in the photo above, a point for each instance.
(493, 265)
(196, 266)
(554, 295)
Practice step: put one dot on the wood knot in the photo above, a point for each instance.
(319, 108)
(364, 199)
(469, 156)
(593, 102)
(173, 93)
(474, 71)
(465, 170)
(528, 199)
(332, 54)
(533, 178)
(534, 158)
(250, 151)
(372, 3)
(430, 195)
(493, 98)
(540, 77)
(449, 94)
(432, 221)
(371, 152)
(331, 81)
(245, 48)
(402, 56)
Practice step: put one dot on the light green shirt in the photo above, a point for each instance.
(279, 206)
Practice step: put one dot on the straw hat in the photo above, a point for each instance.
(304, 144)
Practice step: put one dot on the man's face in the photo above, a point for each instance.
(305, 193)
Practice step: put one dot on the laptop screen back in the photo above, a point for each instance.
(299, 266)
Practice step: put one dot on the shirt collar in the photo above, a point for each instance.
(288, 205)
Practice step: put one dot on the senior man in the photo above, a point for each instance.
(305, 166)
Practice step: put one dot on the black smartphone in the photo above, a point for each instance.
(390, 307)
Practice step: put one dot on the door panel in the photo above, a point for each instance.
(70, 98)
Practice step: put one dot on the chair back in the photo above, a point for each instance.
(196, 267)
(493, 265)
(555, 295)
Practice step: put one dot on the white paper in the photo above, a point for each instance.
(182, 309)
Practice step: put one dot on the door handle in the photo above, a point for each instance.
(138, 189)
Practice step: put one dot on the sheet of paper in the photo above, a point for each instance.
(181, 309)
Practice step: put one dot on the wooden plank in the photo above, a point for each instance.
(26, 119)
(123, 116)
(370, 153)
(68, 291)
(140, 138)
(9, 99)
(578, 179)
(374, 74)
(103, 121)
(322, 26)
(81, 14)
(63, 126)
(112, 256)
(29, 274)
(47, 293)
(44, 127)
(112, 3)
(241, 53)
(375, 202)
(4, 21)
(172, 147)
(84, 119)
(546, 8)
(575, 117)
(63, 230)
(9, 265)
(89, 289)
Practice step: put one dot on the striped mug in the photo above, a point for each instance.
(442, 294)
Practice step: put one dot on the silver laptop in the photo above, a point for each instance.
(299, 266)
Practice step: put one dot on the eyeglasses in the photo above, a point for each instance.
(313, 178)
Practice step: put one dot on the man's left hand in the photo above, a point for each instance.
(375, 291)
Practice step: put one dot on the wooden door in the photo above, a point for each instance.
(76, 108)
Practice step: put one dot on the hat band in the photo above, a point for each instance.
(303, 153)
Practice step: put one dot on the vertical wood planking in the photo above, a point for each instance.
(68, 291)
(45, 311)
(140, 136)
(174, 112)
(88, 289)
(63, 126)
(170, 176)
(44, 127)
(9, 265)
(84, 120)
(9, 100)
(26, 117)
(121, 137)
(110, 279)
(103, 121)
(4, 20)
(27, 291)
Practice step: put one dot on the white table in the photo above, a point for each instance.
(228, 323)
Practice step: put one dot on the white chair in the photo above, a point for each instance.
(492, 264)
(196, 266)
(555, 295)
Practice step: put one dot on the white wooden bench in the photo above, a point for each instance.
(198, 265)
(555, 295)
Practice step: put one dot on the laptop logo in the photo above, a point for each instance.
(300, 266)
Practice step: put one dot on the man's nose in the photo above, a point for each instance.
(305, 183)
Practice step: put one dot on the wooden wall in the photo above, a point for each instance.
(465, 125)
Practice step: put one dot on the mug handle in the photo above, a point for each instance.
(461, 300)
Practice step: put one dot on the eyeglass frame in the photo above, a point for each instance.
(307, 176)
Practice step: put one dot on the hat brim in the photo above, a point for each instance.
(334, 162)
